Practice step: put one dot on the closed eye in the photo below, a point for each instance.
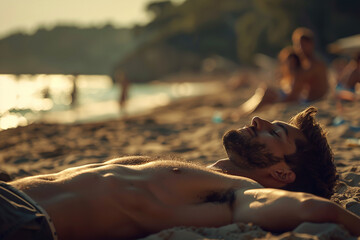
(284, 128)
(272, 132)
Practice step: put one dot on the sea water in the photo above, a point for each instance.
(28, 98)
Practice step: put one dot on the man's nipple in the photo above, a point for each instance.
(176, 170)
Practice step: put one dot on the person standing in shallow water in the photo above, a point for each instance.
(74, 90)
(124, 84)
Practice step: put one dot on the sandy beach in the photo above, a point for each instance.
(189, 129)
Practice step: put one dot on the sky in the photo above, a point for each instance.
(28, 15)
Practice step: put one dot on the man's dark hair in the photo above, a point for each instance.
(357, 57)
(287, 53)
(306, 38)
(313, 161)
(302, 33)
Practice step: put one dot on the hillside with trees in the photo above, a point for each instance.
(64, 49)
(179, 37)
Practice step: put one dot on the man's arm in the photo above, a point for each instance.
(296, 90)
(353, 79)
(321, 210)
(278, 210)
(348, 219)
(322, 72)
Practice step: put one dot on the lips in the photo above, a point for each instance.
(248, 130)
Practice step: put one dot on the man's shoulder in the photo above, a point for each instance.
(139, 160)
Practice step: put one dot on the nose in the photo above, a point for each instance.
(260, 124)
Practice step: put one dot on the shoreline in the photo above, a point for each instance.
(93, 103)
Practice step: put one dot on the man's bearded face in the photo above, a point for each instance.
(245, 152)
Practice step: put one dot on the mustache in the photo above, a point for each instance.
(253, 155)
(253, 129)
(235, 142)
(232, 136)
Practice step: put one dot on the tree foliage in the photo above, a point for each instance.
(254, 26)
(233, 29)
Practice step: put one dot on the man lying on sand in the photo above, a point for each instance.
(133, 197)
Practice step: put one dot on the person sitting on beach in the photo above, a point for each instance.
(133, 197)
(316, 70)
(293, 80)
(124, 84)
(293, 84)
(345, 89)
(304, 74)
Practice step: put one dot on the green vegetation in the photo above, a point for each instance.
(64, 50)
(179, 37)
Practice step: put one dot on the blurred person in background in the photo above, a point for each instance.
(303, 77)
(316, 71)
(293, 77)
(292, 85)
(74, 92)
(124, 84)
(338, 66)
(349, 78)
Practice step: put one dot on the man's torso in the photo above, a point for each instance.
(316, 78)
(133, 199)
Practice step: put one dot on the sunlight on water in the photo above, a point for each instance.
(7, 90)
(9, 120)
(147, 101)
(182, 89)
(82, 98)
(23, 97)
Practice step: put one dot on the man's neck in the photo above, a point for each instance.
(228, 167)
(307, 57)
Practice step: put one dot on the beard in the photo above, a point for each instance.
(245, 153)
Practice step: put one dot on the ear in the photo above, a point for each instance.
(283, 175)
